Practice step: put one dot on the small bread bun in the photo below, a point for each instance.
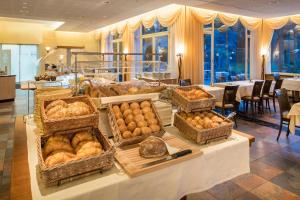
(116, 108)
(146, 130)
(141, 124)
(155, 128)
(124, 106)
(152, 121)
(123, 128)
(120, 122)
(139, 118)
(118, 115)
(127, 134)
(146, 110)
(131, 126)
(134, 105)
(129, 118)
(127, 112)
(145, 104)
(136, 132)
(136, 111)
(149, 115)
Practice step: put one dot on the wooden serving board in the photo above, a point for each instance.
(131, 161)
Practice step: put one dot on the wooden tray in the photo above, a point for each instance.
(131, 161)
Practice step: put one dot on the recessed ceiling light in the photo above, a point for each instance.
(104, 16)
(106, 2)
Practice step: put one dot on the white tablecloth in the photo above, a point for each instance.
(292, 84)
(218, 92)
(221, 161)
(294, 115)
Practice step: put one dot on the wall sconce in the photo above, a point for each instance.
(61, 57)
(179, 54)
(48, 49)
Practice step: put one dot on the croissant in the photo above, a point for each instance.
(85, 144)
(56, 103)
(59, 157)
(77, 111)
(81, 136)
(59, 114)
(58, 138)
(54, 109)
(86, 152)
(56, 145)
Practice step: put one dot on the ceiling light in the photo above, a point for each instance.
(106, 2)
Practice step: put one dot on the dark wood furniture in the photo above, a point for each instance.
(285, 107)
(185, 82)
(277, 86)
(255, 98)
(265, 94)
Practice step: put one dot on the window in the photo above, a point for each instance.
(23, 61)
(285, 49)
(155, 40)
(117, 47)
(226, 52)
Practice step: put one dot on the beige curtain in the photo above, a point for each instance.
(202, 15)
(128, 46)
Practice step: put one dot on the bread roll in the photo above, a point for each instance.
(131, 126)
(129, 118)
(58, 158)
(139, 118)
(152, 121)
(124, 106)
(87, 152)
(116, 109)
(149, 115)
(120, 122)
(127, 112)
(137, 132)
(54, 109)
(61, 113)
(123, 128)
(146, 130)
(134, 106)
(146, 110)
(155, 128)
(141, 124)
(55, 146)
(127, 134)
(119, 115)
(58, 138)
(87, 144)
(77, 111)
(81, 136)
(136, 111)
(55, 103)
(145, 104)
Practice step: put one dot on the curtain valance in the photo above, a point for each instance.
(208, 16)
(166, 16)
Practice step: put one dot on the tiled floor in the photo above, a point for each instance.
(275, 166)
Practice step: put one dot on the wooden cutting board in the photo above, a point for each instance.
(131, 161)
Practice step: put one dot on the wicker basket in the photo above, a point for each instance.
(119, 140)
(193, 105)
(77, 168)
(205, 135)
(53, 125)
(48, 94)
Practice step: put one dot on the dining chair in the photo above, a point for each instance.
(277, 86)
(229, 100)
(185, 82)
(254, 99)
(284, 107)
(265, 94)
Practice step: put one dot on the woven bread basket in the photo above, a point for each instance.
(119, 140)
(203, 136)
(193, 105)
(53, 125)
(78, 168)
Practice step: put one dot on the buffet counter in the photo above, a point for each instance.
(220, 161)
(7, 87)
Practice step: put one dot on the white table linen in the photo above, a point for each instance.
(218, 92)
(221, 161)
(294, 116)
(292, 84)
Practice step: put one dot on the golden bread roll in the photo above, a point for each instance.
(146, 110)
(120, 122)
(55, 103)
(149, 115)
(77, 104)
(55, 146)
(124, 106)
(127, 112)
(129, 118)
(59, 158)
(86, 152)
(136, 111)
(133, 90)
(134, 106)
(146, 130)
(152, 121)
(137, 132)
(145, 104)
(123, 128)
(81, 136)
(119, 115)
(116, 108)
(141, 124)
(127, 134)
(155, 128)
(131, 126)
(138, 118)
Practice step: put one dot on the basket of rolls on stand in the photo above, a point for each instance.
(74, 152)
(133, 121)
(197, 121)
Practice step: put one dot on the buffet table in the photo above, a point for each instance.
(220, 161)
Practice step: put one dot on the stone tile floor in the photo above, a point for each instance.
(275, 166)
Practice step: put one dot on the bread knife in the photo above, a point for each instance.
(170, 157)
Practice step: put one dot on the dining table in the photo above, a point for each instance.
(292, 84)
(294, 115)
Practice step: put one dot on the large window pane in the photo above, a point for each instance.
(161, 47)
(285, 49)
(207, 59)
(15, 59)
(28, 62)
(147, 53)
(229, 52)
